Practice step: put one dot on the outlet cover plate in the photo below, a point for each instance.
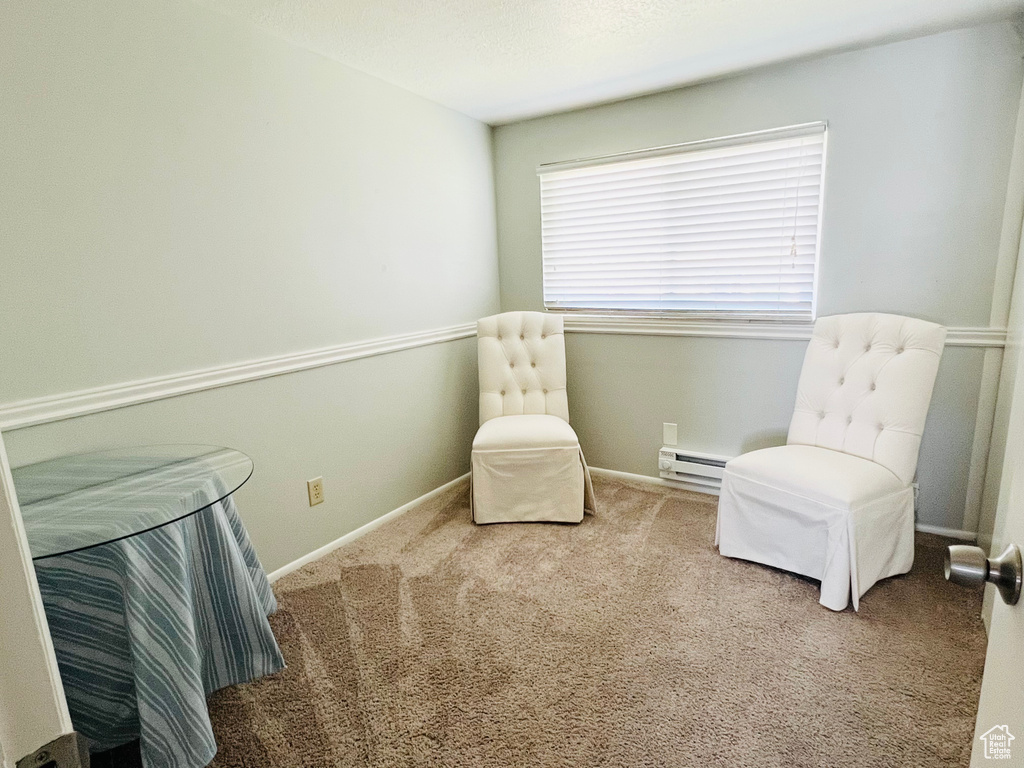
(669, 434)
(315, 488)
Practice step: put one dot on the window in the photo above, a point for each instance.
(721, 228)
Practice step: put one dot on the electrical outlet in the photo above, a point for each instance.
(316, 491)
(669, 434)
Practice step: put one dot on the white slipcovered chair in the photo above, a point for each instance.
(527, 465)
(836, 503)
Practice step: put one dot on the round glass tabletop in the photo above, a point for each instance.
(77, 502)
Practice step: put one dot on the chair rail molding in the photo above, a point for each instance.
(69, 405)
(639, 325)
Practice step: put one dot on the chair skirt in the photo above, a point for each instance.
(848, 528)
(529, 469)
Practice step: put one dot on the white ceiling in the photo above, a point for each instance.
(504, 60)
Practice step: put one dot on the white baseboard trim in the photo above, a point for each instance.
(952, 533)
(654, 480)
(326, 549)
(69, 405)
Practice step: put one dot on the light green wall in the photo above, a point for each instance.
(920, 138)
(180, 191)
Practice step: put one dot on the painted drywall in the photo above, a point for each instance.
(920, 137)
(188, 191)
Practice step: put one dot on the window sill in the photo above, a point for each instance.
(660, 325)
(654, 325)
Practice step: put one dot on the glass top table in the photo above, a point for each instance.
(77, 502)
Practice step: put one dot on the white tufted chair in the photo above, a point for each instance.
(527, 464)
(836, 503)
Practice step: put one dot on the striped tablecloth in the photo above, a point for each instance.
(145, 627)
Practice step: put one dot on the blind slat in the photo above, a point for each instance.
(685, 234)
(670, 245)
(697, 275)
(723, 196)
(812, 136)
(788, 166)
(766, 212)
(777, 177)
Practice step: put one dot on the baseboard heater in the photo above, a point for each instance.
(698, 471)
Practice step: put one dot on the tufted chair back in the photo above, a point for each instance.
(521, 356)
(865, 387)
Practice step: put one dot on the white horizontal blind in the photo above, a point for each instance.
(721, 228)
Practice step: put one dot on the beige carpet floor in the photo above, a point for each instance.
(624, 641)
